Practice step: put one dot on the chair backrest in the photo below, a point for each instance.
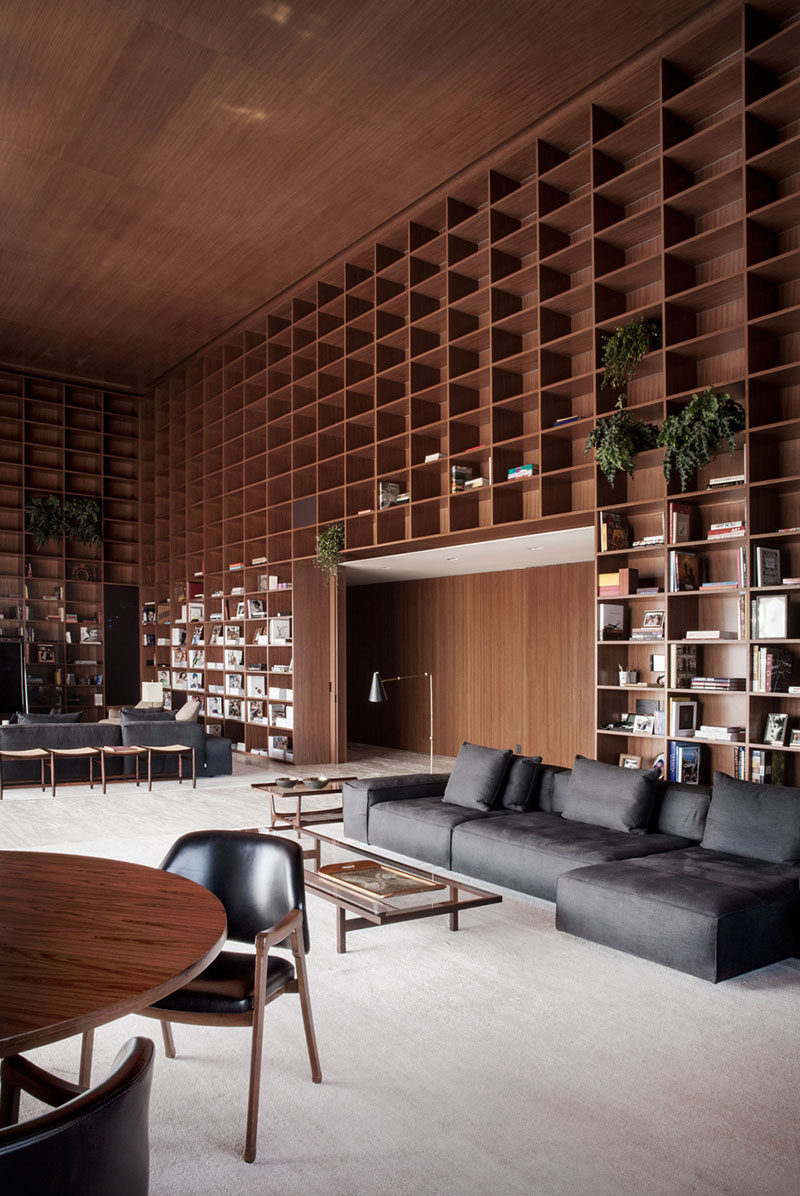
(258, 878)
(94, 1145)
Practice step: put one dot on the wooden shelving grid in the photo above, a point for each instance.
(467, 336)
(70, 441)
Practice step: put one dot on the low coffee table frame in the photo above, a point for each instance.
(376, 911)
(298, 818)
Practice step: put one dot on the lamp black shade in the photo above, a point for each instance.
(376, 691)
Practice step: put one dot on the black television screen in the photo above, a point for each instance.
(12, 673)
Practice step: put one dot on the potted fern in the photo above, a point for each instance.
(617, 438)
(624, 349)
(82, 521)
(330, 546)
(692, 436)
(44, 519)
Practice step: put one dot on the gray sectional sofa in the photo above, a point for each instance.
(699, 879)
(212, 753)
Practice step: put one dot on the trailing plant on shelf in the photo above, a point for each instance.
(624, 349)
(330, 546)
(617, 438)
(82, 521)
(693, 435)
(44, 519)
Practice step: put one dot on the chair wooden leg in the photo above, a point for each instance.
(308, 1021)
(256, 1048)
(52, 774)
(169, 1041)
(87, 1050)
(149, 771)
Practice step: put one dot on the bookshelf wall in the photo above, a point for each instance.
(437, 383)
(70, 441)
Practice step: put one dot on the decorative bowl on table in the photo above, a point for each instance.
(315, 782)
(286, 782)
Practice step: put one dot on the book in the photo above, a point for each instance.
(768, 566)
(680, 520)
(710, 633)
(610, 621)
(682, 665)
(688, 763)
(683, 571)
(614, 532)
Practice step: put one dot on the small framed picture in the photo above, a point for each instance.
(255, 608)
(643, 725)
(90, 635)
(794, 740)
(776, 728)
(280, 630)
(239, 610)
(45, 654)
(653, 618)
(630, 761)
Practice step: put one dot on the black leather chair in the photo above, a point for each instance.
(259, 880)
(95, 1142)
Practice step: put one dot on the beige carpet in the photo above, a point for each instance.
(507, 1058)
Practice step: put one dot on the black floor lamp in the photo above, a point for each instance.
(378, 694)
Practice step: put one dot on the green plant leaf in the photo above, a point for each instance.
(616, 439)
(624, 349)
(692, 436)
(330, 546)
(44, 519)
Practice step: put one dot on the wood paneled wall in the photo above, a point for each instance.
(511, 654)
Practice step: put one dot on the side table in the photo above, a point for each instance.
(297, 818)
(105, 752)
(171, 749)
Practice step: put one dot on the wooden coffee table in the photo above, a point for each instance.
(297, 818)
(447, 897)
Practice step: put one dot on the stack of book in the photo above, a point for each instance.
(734, 529)
(647, 633)
(719, 684)
(614, 532)
(710, 633)
(727, 734)
(459, 476)
(684, 763)
(522, 471)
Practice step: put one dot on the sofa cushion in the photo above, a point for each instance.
(359, 796)
(708, 913)
(29, 720)
(682, 809)
(519, 791)
(133, 714)
(420, 827)
(561, 784)
(757, 821)
(605, 795)
(188, 712)
(529, 852)
(477, 776)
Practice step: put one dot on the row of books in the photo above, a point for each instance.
(770, 669)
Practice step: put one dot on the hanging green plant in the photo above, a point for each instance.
(330, 546)
(693, 435)
(624, 349)
(82, 521)
(617, 438)
(44, 519)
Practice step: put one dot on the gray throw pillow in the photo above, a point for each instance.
(606, 795)
(29, 719)
(130, 714)
(761, 822)
(477, 776)
(519, 790)
(561, 783)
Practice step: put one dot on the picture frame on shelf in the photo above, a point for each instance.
(775, 729)
(768, 566)
(653, 619)
(255, 608)
(771, 616)
(280, 630)
(794, 737)
(90, 635)
(643, 724)
(196, 612)
(682, 719)
(45, 654)
(626, 761)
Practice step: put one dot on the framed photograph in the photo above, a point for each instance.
(233, 635)
(196, 612)
(90, 635)
(794, 740)
(660, 763)
(239, 610)
(255, 608)
(280, 630)
(630, 761)
(195, 681)
(771, 616)
(768, 566)
(682, 719)
(45, 654)
(775, 728)
(653, 618)
(643, 725)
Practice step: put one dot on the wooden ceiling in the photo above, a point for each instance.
(170, 165)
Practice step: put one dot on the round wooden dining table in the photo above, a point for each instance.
(85, 940)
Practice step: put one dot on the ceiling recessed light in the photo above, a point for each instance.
(535, 548)
(451, 558)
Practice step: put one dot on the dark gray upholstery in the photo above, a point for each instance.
(519, 791)
(29, 720)
(528, 852)
(134, 714)
(477, 777)
(544, 797)
(681, 809)
(69, 735)
(561, 787)
(358, 797)
(708, 913)
(605, 795)
(420, 827)
(761, 821)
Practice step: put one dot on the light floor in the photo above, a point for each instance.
(507, 1058)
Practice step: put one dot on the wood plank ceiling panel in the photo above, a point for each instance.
(165, 167)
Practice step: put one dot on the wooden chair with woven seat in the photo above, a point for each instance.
(40, 754)
(259, 880)
(94, 1142)
(171, 749)
(77, 753)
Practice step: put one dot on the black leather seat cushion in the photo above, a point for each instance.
(529, 851)
(226, 986)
